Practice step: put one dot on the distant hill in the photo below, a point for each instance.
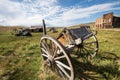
(91, 24)
(9, 28)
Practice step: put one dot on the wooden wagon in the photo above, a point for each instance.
(55, 52)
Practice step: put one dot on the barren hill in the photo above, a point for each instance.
(91, 24)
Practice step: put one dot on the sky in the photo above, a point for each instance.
(57, 13)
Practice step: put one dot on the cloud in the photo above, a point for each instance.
(76, 13)
(27, 12)
(70, 15)
(31, 12)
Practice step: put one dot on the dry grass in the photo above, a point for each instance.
(20, 58)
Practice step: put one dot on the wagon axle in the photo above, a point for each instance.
(80, 45)
(50, 62)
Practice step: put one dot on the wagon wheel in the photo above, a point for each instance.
(89, 47)
(55, 57)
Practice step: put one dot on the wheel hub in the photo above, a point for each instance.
(80, 45)
(50, 62)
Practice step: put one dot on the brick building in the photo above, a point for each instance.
(108, 20)
(99, 23)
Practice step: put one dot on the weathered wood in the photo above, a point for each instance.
(69, 36)
(44, 27)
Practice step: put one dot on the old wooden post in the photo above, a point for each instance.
(44, 27)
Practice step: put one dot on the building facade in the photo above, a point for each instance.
(108, 20)
(99, 23)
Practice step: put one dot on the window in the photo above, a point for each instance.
(110, 20)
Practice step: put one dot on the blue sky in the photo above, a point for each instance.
(55, 12)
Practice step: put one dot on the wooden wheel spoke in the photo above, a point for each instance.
(59, 51)
(90, 47)
(56, 49)
(45, 51)
(48, 48)
(46, 45)
(85, 53)
(51, 46)
(60, 57)
(86, 50)
(45, 55)
(55, 52)
(63, 70)
(83, 50)
(63, 65)
(43, 45)
(80, 50)
(89, 52)
(86, 43)
(61, 73)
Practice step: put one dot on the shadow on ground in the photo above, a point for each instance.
(104, 66)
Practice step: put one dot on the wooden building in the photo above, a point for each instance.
(99, 23)
(108, 20)
(116, 21)
(36, 29)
